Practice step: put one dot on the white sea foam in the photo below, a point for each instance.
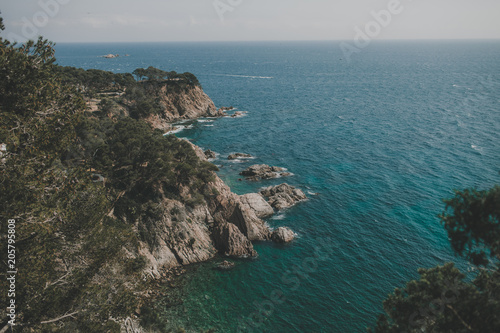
(247, 76)
(178, 129)
(237, 114)
(457, 86)
(202, 120)
(278, 217)
(477, 148)
(280, 174)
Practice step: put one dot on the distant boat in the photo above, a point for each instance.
(110, 56)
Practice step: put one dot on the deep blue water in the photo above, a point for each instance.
(382, 139)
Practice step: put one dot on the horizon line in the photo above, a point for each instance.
(274, 41)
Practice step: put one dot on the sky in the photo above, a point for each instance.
(248, 20)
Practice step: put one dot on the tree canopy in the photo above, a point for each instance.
(444, 299)
(155, 74)
(472, 221)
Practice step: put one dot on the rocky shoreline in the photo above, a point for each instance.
(225, 223)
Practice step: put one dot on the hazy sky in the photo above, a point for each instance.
(221, 20)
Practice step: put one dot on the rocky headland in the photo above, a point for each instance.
(127, 206)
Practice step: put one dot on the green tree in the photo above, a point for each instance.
(444, 299)
(140, 73)
(473, 224)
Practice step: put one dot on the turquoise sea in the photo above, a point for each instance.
(380, 139)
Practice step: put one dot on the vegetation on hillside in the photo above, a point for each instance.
(444, 299)
(115, 89)
(75, 181)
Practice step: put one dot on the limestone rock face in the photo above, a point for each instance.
(258, 204)
(231, 242)
(283, 196)
(179, 104)
(227, 207)
(187, 104)
(263, 171)
(283, 235)
(178, 237)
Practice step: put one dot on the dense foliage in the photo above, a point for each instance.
(119, 91)
(444, 299)
(93, 81)
(155, 74)
(75, 181)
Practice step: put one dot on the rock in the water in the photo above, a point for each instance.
(209, 154)
(225, 108)
(283, 235)
(237, 114)
(231, 242)
(226, 265)
(283, 196)
(263, 171)
(238, 156)
(258, 204)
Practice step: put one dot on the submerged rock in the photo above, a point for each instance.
(283, 235)
(283, 196)
(263, 171)
(226, 265)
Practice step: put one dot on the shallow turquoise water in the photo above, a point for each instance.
(381, 139)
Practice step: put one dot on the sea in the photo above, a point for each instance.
(376, 142)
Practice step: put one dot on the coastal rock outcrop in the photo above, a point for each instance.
(226, 206)
(231, 242)
(237, 114)
(263, 171)
(236, 156)
(209, 154)
(226, 108)
(258, 204)
(283, 196)
(283, 235)
(180, 236)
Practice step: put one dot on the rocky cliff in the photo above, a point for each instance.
(224, 223)
(178, 103)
